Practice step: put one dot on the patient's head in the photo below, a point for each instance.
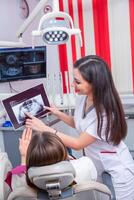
(44, 149)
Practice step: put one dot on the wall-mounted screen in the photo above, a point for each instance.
(22, 63)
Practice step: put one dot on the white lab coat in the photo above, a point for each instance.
(116, 160)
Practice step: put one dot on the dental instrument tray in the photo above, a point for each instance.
(22, 63)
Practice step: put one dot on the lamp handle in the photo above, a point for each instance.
(55, 15)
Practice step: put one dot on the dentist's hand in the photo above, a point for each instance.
(53, 109)
(36, 124)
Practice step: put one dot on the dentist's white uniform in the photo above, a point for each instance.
(116, 160)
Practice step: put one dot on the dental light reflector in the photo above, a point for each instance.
(55, 37)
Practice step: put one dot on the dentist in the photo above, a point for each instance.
(100, 121)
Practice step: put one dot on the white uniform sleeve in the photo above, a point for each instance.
(92, 128)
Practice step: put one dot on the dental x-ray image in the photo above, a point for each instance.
(33, 106)
(30, 101)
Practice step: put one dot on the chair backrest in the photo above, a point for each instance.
(54, 182)
(91, 190)
(63, 172)
(5, 166)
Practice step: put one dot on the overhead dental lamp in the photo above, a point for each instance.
(56, 28)
(51, 28)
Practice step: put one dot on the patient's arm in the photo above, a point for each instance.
(24, 142)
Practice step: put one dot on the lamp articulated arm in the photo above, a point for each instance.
(30, 18)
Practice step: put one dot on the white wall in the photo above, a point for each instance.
(10, 22)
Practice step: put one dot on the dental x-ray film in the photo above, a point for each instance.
(30, 101)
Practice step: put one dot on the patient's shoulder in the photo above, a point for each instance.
(85, 169)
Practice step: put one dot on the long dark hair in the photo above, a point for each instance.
(105, 97)
(44, 149)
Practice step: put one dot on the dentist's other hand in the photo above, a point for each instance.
(36, 124)
(53, 109)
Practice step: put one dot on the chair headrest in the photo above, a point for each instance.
(63, 172)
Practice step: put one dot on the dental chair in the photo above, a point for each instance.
(57, 182)
(5, 166)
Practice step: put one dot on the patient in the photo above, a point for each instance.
(41, 149)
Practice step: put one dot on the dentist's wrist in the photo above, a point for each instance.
(55, 131)
(52, 130)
